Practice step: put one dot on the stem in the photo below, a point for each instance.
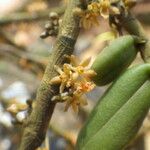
(36, 124)
(133, 26)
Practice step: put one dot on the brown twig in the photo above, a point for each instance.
(14, 55)
(28, 16)
(63, 134)
(36, 125)
(10, 40)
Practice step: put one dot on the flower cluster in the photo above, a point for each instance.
(74, 80)
(91, 15)
(104, 8)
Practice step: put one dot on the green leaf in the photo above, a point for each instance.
(119, 113)
(114, 59)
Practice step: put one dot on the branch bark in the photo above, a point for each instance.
(36, 124)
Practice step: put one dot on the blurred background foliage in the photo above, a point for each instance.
(23, 57)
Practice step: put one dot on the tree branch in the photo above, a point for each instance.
(37, 123)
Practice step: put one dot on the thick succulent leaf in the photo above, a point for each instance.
(114, 59)
(119, 113)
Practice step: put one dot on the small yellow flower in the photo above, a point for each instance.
(65, 77)
(89, 19)
(106, 8)
(81, 68)
(75, 102)
(84, 87)
(15, 108)
(74, 80)
(90, 16)
(94, 7)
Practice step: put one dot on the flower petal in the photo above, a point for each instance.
(55, 80)
(85, 62)
(75, 107)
